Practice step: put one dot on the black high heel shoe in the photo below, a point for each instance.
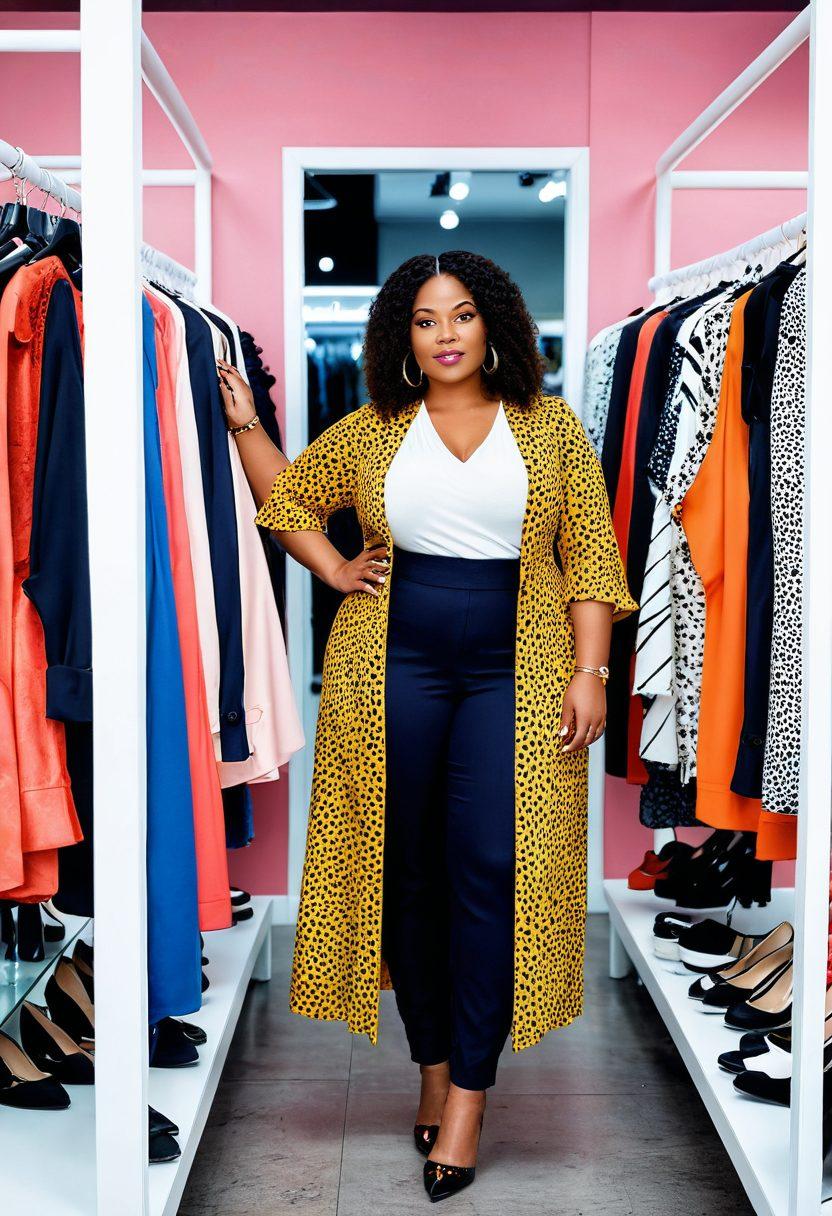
(442, 1181)
(69, 1004)
(30, 947)
(23, 1085)
(726, 870)
(424, 1134)
(52, 1049)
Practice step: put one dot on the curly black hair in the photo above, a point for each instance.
(509, 326)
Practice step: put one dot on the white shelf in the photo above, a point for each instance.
(185, 1094)
(49, 1156)
(755, 1134)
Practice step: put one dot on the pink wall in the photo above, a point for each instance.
(625, 84)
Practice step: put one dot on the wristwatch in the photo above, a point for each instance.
(603, 673)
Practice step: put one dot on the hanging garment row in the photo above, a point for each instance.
(221, 713)
(695, 406)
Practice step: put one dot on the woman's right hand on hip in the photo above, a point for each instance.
(365, 572)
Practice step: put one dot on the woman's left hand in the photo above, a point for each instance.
(584, 715)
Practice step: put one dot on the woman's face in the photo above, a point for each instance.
(447, 333)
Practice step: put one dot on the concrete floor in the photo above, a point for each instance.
(599, 1119)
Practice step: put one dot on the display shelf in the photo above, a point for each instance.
(185, 1094)
(17, 979)
(755, 1134)
(50, 1155)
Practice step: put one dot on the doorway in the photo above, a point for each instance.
(350, 216)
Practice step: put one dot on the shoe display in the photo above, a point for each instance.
(24, 1085)
(52, 1049)
(726, 872)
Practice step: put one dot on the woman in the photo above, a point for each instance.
(462, 683)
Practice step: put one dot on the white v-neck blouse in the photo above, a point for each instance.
(439, 504)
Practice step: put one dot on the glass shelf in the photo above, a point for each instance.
(17, 979)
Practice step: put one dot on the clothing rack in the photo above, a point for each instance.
(791, 230)
(777, 1155)
(99, 1153)
(157, 265)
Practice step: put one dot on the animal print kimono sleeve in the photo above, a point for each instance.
(591, 560)
(318, 482)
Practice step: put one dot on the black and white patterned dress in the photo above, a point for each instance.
(781, 764)
(598, 370)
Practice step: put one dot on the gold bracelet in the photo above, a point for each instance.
(247, 426)
(603, 673)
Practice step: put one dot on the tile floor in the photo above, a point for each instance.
(597, 1120)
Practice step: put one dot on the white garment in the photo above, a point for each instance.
(436, 503)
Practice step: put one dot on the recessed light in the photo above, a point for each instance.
(326, 264)
(449, 219)
(552, 190)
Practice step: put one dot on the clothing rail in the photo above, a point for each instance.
(779, 235)
(154, 263)
(22, 166)
(668, 178)
(167, 271)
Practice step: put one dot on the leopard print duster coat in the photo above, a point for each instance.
(337, 967)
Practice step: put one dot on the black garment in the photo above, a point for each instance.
(220, 512)
(261, 381)
(59, 576)
(448, 908)
(761, 328)
(613, 445)
(664, 802)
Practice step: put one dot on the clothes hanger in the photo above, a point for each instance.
(61, 238)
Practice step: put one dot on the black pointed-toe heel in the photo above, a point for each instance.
(424, 1134)
(52, 1049)
(442, 1181)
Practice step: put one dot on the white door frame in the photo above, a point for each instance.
(296, 161)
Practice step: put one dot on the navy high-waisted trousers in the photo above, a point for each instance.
(448, 902)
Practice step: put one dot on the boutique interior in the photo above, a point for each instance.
(244, 179)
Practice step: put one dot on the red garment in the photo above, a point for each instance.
(47, 814)
(636, 772)
(209, 821)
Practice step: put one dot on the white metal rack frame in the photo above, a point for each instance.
(114, 1179)
(797, 1189)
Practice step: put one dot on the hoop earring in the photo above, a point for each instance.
(421, 379)
(489, 371)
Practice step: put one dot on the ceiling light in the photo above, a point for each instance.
(460, 186)
(449, 219)
(326, 264)
(552, 190)
(310, 344)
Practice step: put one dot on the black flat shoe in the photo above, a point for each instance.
(169, 1047)
(52, 1049)
(157, 1122)
(193, 1033)
(239, 897)
(23, 1085)
(162, 1147)
(425, 1135)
